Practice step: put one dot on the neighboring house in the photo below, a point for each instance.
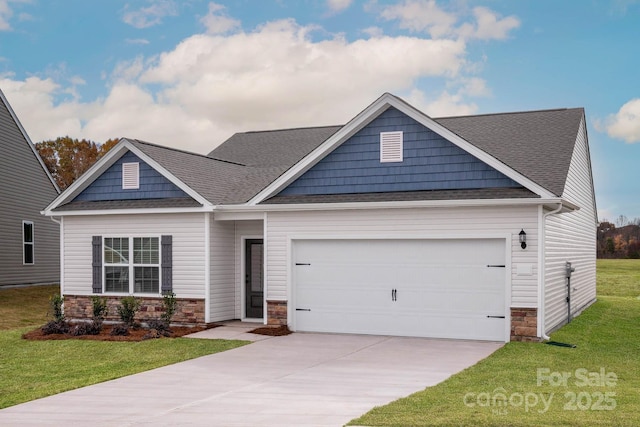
(395, 224)
(29, 242)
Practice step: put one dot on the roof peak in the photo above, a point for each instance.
(289, 129)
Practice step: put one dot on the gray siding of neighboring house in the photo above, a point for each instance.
(25, 190)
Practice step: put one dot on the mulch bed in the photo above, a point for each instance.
(272, 331)
(105, 335)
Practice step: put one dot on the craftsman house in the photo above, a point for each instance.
(395, 223)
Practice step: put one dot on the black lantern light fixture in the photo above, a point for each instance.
(523, 239)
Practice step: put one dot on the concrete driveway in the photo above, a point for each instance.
(297, 380)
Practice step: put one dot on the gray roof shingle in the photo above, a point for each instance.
(84, 205)
(537, 144)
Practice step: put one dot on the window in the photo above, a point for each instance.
(390, 146)
(132, 265)
(27, 242)
(130, 176)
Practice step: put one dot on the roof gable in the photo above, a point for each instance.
(369, 114)
(429, 162)
(108, 186)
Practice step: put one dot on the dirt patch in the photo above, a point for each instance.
(105, 335)
(274, 331)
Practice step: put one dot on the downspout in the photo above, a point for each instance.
(61, 254)
(541, 255)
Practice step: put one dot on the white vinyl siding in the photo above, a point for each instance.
(222, 292)
(572, 237)
(391, 146)
(409, 223)
(188, 247)
(130, 176)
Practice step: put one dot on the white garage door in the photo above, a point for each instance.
(427, 288)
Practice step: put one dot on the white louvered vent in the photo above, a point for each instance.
(390, 146)
(130, 176)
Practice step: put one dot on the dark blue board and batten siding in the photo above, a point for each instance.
(109, 185)
(430, 163)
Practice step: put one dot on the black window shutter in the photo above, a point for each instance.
(167, 264)
(97, 264)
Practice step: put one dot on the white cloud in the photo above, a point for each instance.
(5, 15)
(338, 5)
(278, 75)
(137, 41)
(489, 25)
(625, 124)
(217, 22)
(421, 16)
(151, 15)
(425, 16)
(373, 31)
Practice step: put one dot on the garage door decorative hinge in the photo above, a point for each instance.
(302, 263)
(495, 317)
(496, 265)
(303, 309)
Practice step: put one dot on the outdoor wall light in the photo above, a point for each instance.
(523, 239)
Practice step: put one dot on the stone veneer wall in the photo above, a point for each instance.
(276, 313)
(524, 324)
(188, 312)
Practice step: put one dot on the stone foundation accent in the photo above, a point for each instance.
(276, 313)
(189, 311)
(524, 324)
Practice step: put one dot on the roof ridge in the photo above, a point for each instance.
(181, 151)
(549, 110)
(287, 129)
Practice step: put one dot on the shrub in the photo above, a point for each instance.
(99, 313)
(160, 327)
(53, 327)
(169, 304)
(56, 302)
(120, 330)
(127, 310)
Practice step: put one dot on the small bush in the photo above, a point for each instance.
(127, 310)
(160, 326)
(120, 330)
(53, 327)
(56, 302)
(79, 329)
(99, 313)
(170, 305)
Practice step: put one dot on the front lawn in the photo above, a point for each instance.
(522, 384)
(33, 369)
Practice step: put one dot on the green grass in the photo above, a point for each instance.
(33, 369)
(606, 336)
(26, 306)
(619, 277)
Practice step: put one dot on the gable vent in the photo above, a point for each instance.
(130, 176)
(390, 146)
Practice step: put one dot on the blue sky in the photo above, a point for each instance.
(190, 73)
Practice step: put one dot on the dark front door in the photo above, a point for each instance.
(254, 279)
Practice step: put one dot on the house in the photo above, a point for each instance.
(394, 224)
(30, 249)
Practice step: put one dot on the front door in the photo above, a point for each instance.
(254, 279)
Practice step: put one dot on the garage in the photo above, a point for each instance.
(441, 288)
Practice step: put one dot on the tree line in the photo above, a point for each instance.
(67, 158)
(619, 239)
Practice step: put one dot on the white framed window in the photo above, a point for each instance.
(28, 253)
(391, 145)
(132, 265)
(130, 176)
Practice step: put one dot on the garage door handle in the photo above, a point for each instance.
(495, 317)
(303, 309)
